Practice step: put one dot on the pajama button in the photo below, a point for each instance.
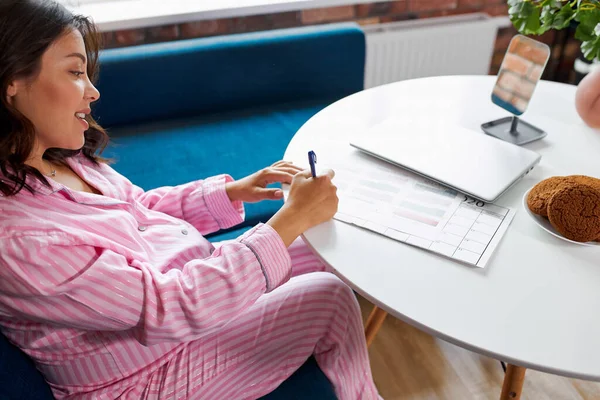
(141, 228)
(184, 231)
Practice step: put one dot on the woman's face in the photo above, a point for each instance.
(56, 100)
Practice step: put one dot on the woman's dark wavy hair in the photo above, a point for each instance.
(27, 29)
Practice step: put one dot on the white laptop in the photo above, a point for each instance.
(468, 161)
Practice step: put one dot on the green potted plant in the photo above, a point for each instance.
(534, 17)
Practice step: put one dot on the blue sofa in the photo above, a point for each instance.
(228, 104)
(186, 110)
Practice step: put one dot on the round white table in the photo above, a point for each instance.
(535, 304)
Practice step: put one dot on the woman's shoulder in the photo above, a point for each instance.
(28, 214)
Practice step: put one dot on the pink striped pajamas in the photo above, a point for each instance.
(120, 296)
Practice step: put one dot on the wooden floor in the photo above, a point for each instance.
(410, 364)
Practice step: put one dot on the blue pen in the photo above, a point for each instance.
(312, 160)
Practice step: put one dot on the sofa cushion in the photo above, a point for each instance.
(308, 382)
(237, 143)
(193, 77)
(19, 379)
(227, 234)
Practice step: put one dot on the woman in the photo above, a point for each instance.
(113, 291)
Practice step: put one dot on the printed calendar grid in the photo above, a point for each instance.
(500, 214)
(416, 211)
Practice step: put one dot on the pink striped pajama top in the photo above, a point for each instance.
(96, 288)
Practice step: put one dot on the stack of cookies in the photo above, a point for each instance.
(571, 203)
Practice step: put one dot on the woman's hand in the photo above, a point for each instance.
(587, 99)
(253, 188)
(310, 203)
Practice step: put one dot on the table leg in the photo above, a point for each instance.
(373, 324)
(513, 382)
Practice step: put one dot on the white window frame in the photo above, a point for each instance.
(110, 15)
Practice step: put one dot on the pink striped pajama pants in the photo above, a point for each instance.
(313, 313)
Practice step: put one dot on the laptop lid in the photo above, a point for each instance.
(468, 161)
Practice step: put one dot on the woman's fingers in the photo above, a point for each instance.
(330, 173)
(288, 170)
(268, 193)
(275, 175)
(287, 164)
(281, 163)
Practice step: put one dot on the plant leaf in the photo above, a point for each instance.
(588, 20)
(563, 18)
(525, 16)
(534, 17)
(547, 16)
(584, 33)
(591, 48)
(588, 17)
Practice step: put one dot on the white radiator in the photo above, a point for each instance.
(458, 45)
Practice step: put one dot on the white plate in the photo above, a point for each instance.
(545, 224)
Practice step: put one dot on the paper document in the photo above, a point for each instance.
(406, 207)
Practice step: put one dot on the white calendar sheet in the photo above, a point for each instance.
(401, 205)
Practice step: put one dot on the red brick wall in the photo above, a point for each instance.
(364, 14)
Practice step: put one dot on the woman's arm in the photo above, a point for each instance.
(203, 203)
(53, 279)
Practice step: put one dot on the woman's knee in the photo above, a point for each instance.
(327, 285)
(338, 286)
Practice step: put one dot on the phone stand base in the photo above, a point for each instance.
(513, 130)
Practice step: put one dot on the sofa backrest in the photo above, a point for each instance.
(207, 75)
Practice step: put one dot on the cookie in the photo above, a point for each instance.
(574, 211)
(585, 180)
(538, 197)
